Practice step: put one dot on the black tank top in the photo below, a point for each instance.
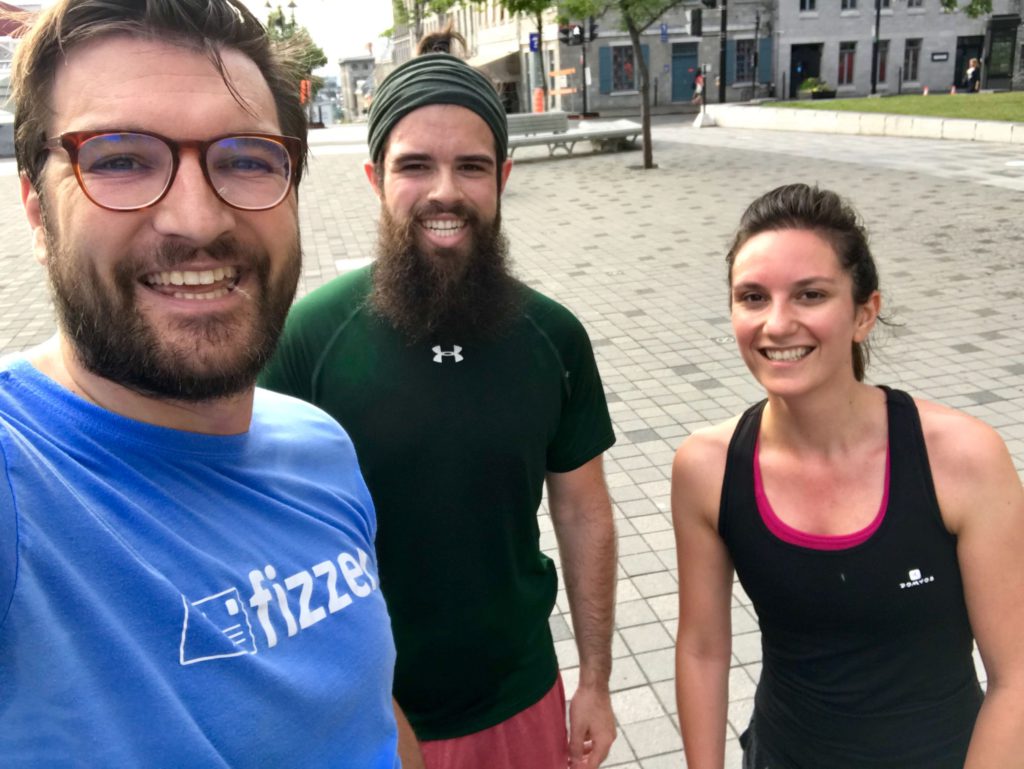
(866, 650)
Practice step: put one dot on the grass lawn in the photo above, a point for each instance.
(975, 106)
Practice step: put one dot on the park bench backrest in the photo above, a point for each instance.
(538, 122)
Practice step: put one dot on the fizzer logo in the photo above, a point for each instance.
(298, 601)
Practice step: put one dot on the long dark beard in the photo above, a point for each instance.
(113, 339)
(423, 295)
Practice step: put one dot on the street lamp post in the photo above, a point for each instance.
(721, 52)
(876, 47)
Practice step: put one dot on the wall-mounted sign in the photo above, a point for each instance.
(940, 56)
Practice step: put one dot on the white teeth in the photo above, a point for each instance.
(789, 354)
(444, 226)
(205, 295)
(191, 277)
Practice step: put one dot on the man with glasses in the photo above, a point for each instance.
(466, 393)
(187, 567)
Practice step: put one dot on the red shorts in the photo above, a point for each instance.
(535, 738)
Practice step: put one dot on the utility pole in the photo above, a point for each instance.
(875, 47)
(757, 46)
(721, 53)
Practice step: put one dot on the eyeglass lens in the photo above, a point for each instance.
(130, 170)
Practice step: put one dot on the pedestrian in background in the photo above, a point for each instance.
(972, 78)
(466, 392)
(877, 535)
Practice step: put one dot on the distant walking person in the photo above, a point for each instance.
(972, 78)
(876, 534)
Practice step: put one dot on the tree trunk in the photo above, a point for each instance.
(644, 82)
(417, 22)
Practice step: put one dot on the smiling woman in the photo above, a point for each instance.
(877, 535)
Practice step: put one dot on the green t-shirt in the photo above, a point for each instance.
(454, 440)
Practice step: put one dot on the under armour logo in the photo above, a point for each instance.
(440, 355)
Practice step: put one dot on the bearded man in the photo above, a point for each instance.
(465, 392)
(187, 573)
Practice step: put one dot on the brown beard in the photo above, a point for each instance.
(474, 297)
(114, 340)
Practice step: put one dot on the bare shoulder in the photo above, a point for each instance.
(971, 466)
(698, 471)
(956, 439)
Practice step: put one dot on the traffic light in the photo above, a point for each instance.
(696, 22)
(593, 29)
(576, 34)
(304, 91)
(563, 35)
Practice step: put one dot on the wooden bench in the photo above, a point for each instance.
(552, 129)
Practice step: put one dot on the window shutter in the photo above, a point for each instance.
(730, 62)
(764, 62)
(604, 66)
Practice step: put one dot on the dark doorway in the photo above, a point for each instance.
(967, 48)
(684, 70)
(1002, 43)
(804, 62)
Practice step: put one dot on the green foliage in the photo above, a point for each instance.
(400, 12)
(530, 8)
(814, 85)
(283, 30)
(406, 12)
(972, 8)
(642, 12)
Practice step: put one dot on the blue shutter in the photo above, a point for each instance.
(730, 62)
(604, 67)
(645, 50)
(764, 63)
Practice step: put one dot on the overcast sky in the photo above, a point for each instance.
(340, 27)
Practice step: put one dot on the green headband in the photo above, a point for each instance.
(434, 78)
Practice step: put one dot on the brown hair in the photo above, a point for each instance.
(203, 25)
(801, 207)
(440, 41)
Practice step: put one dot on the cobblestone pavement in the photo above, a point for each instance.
(639, 257)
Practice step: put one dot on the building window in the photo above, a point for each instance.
(848, 5)
(744, 61)
(883, 59)
(622, 68)
(915, 3)
(808, 5)
(847, 52)
(886, 4)
(911, 58)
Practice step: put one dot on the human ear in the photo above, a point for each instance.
(34, 214)
(867, 314)
(506, 169)
(377, 183)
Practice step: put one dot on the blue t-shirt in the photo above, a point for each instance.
(173, 599)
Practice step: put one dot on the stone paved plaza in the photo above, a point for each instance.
(639, 257)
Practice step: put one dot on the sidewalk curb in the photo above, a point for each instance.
(865, 123)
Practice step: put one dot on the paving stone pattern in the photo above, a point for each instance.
(639, 257)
